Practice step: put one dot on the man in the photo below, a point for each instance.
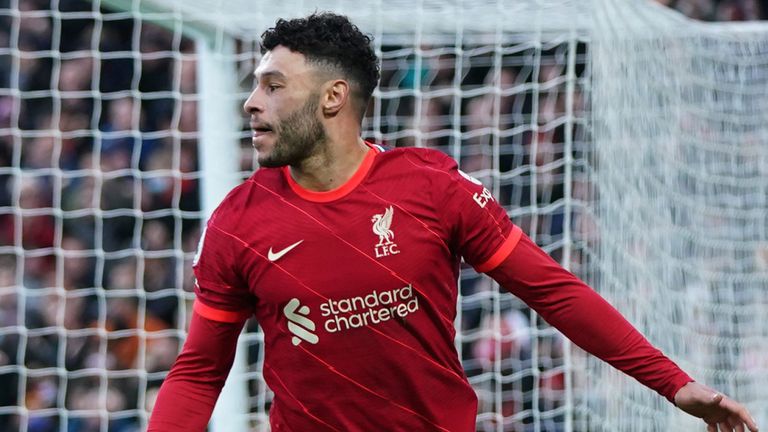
(348, 256)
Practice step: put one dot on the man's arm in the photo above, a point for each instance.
(189, 393)
(593, 324)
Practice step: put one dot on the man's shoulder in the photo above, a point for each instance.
(248, 195)
(266, 177)
(419, 158)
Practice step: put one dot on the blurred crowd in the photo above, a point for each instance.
(720, 10)
(99, 213)
(100, 208)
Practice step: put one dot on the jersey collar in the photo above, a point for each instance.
(341, 191)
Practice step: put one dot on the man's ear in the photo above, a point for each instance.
(335, 96)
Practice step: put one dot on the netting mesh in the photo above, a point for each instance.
(680, 131)
(99, 211)
(552, 104)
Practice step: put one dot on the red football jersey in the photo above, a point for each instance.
(356, 289)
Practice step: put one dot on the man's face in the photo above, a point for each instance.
(284, 109)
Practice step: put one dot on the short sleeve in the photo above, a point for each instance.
(481, 229)
(221, 294)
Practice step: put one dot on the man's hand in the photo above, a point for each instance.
(716, 409)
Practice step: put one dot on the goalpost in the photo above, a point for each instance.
(627, 141)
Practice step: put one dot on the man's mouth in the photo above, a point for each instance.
(261, 130)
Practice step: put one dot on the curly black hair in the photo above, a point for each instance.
(331, 40)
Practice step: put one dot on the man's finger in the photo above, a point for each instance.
(751, 424)
(736, 423)
(739, 411)
(746, 417)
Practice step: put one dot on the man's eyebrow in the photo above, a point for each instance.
(268, 74)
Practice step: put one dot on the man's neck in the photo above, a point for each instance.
(331, 167)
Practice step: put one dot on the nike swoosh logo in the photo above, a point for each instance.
(274, 256)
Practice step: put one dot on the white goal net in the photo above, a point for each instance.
(680, 132)
(627, 141)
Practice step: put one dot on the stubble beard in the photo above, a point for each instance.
(299, 136)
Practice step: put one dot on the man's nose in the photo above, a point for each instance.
(254, 102)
